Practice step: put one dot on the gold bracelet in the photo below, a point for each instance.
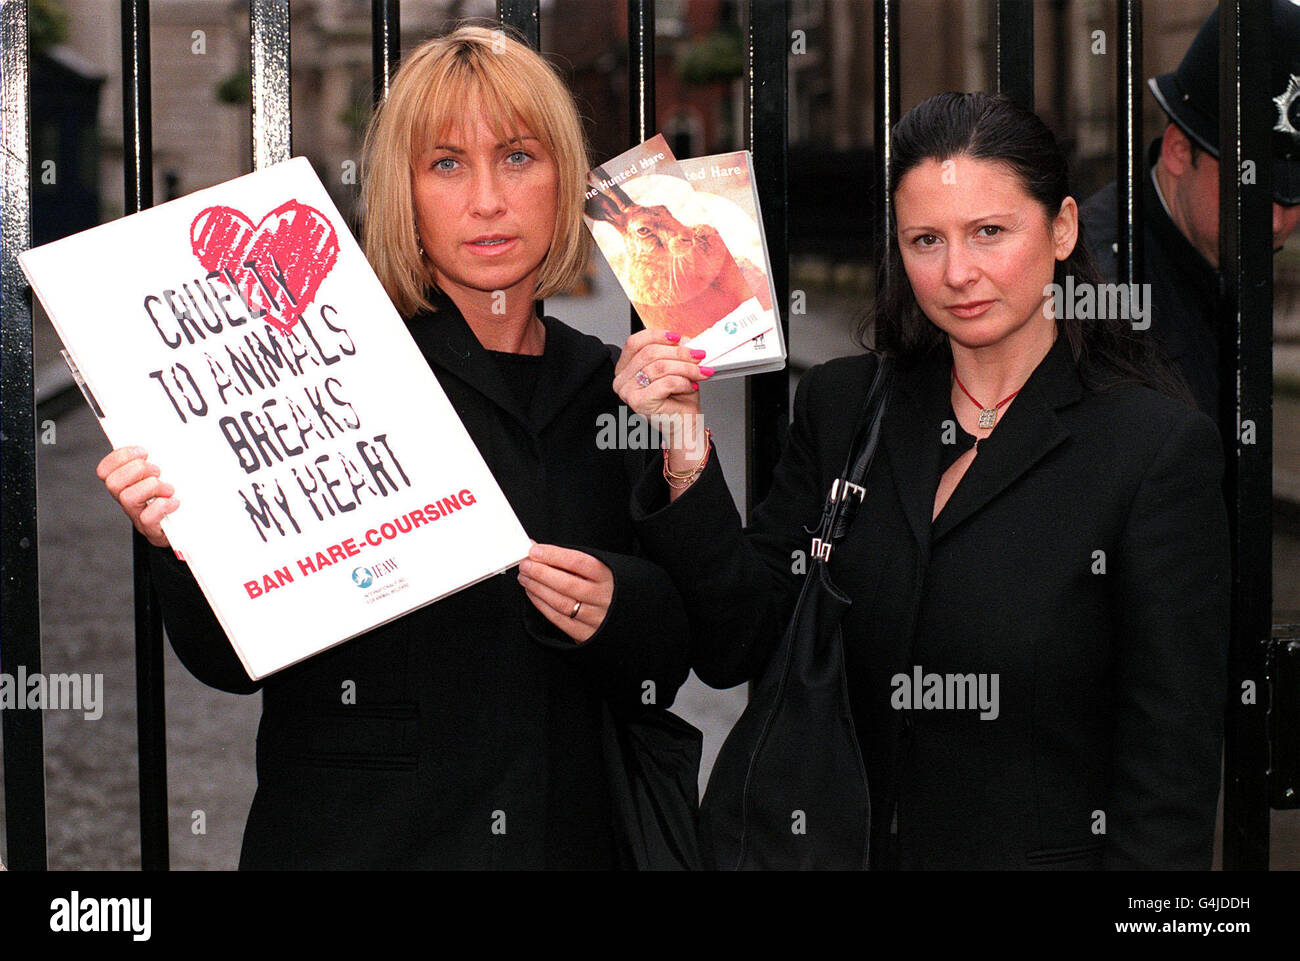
(684, 479)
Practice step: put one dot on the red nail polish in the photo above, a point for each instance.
(697, 354)
(706, 371)
(694, 386)
(672, 336)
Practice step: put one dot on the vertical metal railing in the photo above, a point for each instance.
(886, 115)
(767, 396)
(642, 123)
(386, 45)
(525, 16)
(1013, 50)
(641, 72)
(20, 613)
(1130, 157)
(269, 69)
(150, 692)
(1246, 418)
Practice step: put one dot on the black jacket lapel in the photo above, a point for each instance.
(911, 434)
(1028, 430)
(449, 345)
(570, 360)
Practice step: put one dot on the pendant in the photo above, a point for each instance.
(988, 417)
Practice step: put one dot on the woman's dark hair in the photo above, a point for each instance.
(995, 128)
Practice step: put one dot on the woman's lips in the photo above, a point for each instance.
(491, 246)
(972, 308)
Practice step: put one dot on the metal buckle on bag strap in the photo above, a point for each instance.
(841, 490)
(848, 489)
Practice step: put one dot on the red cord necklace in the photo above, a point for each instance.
(988, 415)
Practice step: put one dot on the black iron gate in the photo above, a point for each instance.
(1246, 257)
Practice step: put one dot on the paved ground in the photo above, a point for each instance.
(87, 627)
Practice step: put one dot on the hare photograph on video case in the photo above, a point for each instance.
(666, 247)
(724, 195)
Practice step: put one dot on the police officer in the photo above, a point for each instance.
(1182, 198)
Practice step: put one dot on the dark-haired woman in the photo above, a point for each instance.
(1043, 514)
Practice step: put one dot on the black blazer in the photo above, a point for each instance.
(475, 704)
(1083, 559)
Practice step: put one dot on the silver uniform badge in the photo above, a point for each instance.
(1284, 101)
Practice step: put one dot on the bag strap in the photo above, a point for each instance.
(846, 491)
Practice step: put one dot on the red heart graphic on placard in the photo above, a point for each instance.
(290, 252)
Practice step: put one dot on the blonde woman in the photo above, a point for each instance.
(476, 738)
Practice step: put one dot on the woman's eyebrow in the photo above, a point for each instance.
(452, 148)
(983, 218)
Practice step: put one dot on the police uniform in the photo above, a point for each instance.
(1186, 307)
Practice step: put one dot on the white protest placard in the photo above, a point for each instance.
(325, 482)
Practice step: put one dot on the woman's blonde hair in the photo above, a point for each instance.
(436, 83)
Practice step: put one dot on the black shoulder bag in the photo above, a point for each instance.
(789, 788)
